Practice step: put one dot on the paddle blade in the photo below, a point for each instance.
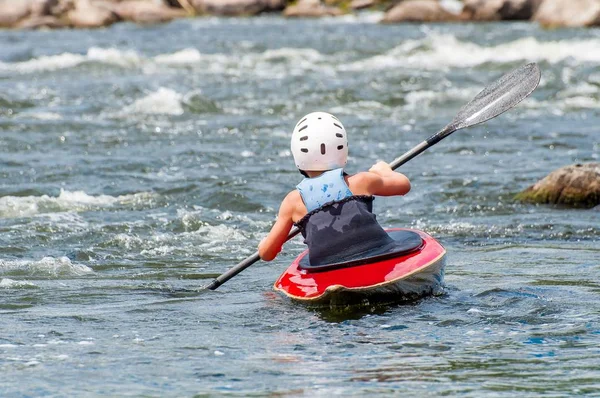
(499, 97)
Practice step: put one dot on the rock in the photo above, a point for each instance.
(41, 22)
(311, 9)
(497, 10)
(12, 12)
(63, 7)
(91, 15)
(42, 7)
(361, 4)
(419, 11)
(568, 13)
(576, 185)
(237, 7)
(146, 12)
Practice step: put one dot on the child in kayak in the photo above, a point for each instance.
(332, 209)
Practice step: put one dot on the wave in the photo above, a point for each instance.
(435, 51)
(166, 101)
(442, 51)
(6, 283)
(123, 58)
(66, 201)
(163, 101)
(47, 266)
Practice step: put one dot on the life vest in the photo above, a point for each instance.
(339, 226)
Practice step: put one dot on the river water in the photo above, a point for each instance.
(137, 163)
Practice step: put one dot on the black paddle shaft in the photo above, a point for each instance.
(494, 100)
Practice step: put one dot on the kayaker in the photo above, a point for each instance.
(332, 208)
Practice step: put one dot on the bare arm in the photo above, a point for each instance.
(270, 246)
(383, 181)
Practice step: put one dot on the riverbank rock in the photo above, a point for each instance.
(419, 11)
(91, 15)
(12, 12)
(41, 22)
(237, 7)
(311, 9)
(362, 4)
(146, 12)
(568, 13)
(576, 185)
(497, 10)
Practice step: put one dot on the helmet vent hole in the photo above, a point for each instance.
(302, 128)
(300, 122)
(319, 118)
(340, 147)
(305, 150)
(304, 138)
(339, 135)
(337, 125)
(322, 149)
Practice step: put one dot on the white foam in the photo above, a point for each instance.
(47, 266)
(163, 101)
(113, 56)
(360, 107)
(6, 283)
(51, 62)
(126, 241)
(185, 56)
(124, 58)
(220, 232)
(42, 115)
(442, 51)
(67, 201)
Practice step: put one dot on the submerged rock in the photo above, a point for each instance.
(568, 13)
(312, 9)
(419, 11)
(496, 10)
(576, 185)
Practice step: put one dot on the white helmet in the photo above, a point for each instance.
(319, 142)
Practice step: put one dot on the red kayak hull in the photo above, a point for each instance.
(402, 278)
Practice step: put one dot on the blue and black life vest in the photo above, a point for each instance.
(339, 225)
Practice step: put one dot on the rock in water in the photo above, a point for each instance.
(576, 185)
(497, 10)
(568, 13)
(419, 11)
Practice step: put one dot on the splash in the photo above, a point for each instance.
(111, 56)
(6, 283)
(442, 51)
(66, 201)
(47, 266)
(164, 101)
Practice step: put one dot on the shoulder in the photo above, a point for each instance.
(290, 202)
(292, 206)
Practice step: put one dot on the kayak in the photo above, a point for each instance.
(413, 270)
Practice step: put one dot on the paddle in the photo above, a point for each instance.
(494, 100)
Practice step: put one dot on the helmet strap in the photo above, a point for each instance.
(303, 173)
